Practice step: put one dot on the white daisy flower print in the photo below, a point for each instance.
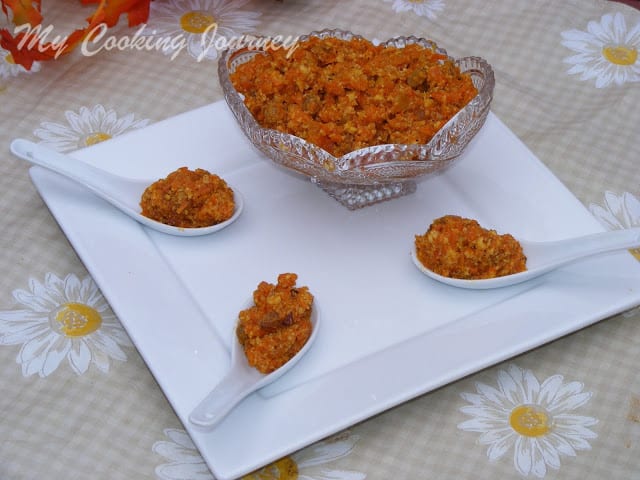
(200, 25)
(607, 51)
(422, 8)
(619, 212)
(63, 319)
(85, 128)
(534, 418)
(185, 460)
(311, 463)
(10, 69)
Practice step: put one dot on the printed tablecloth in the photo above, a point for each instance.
(77, 401)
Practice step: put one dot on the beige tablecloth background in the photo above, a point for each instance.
(68, 418)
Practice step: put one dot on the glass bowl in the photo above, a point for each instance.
(373, 174)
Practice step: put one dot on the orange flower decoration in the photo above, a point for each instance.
(25, 42)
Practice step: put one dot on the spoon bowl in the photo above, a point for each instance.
(242, 379)
(543, 257)
(123, 193)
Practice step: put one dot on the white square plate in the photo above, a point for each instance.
(389, 333)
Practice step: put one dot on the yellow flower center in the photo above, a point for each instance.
(284, 469)
(9, 59)
(530, 420)
(197, 22)
(620, 54)
(96, 137)
(636, 253)
(75, 319)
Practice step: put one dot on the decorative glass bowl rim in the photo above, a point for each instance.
(373, 164)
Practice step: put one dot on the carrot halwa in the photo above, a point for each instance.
(278, 325)
(342, 95)
(189, 198)
(459, 247)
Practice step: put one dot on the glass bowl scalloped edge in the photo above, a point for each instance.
(373, 174)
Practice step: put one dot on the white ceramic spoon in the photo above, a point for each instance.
(542, 257)
(122, 193)
(242, 380)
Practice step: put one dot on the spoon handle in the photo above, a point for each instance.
(108, 186)
(58, 162)
(221, 400)
(565, 251)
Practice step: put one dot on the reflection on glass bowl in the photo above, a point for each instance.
(373, 174)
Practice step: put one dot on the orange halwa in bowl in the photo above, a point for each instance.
(363, 121)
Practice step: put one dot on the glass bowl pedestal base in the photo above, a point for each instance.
(358, 196)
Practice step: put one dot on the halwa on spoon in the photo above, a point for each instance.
(123, 193)
(543, 257)
(271, 336)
